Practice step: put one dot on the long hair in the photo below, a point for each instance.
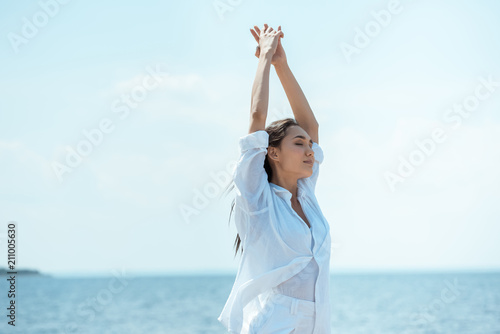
(276, 131)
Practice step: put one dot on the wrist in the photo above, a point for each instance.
(280, 66)
(266, 59)
(266, 55)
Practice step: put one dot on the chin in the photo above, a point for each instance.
(307, 174)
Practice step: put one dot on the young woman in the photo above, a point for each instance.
(282, 284)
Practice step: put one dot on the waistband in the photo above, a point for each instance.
(295, 305)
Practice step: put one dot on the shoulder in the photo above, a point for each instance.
(257, 139)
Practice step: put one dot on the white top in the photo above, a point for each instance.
(277, 243)
(301, 285)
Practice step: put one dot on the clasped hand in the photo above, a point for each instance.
(269, 42)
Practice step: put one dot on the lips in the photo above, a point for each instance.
(310, 162)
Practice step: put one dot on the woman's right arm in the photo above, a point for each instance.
(268, 41)
(250, 176)
(260, 94)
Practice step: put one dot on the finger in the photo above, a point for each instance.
(255, 35)
(257, 29)
(265, 27)
(282, 33)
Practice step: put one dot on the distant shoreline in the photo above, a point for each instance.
(24, 272)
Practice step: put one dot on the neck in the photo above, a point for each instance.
(290, 185)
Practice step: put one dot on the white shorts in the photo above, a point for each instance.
(284, 315)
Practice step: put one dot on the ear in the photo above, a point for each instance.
(272, 152)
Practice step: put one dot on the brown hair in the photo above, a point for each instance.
(276, 131)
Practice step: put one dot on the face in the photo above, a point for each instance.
(295, 153)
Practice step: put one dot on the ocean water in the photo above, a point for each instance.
(371, 303)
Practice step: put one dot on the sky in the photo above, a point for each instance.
(119, 128)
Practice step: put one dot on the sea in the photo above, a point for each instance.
(446, 302)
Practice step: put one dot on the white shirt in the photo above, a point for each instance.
(302, 285)
(277, 243)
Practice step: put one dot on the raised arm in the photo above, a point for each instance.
(298, 102)
(260, 95)
(260, 90)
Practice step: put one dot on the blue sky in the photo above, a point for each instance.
(121, 206)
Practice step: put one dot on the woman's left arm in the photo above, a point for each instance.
(298, 102)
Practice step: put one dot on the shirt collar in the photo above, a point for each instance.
(285, 194)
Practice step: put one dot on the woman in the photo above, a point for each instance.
(282, 284)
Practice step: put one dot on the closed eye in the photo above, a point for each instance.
(300, 144)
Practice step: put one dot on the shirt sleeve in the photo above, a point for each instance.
(311, 181)
(250, 176)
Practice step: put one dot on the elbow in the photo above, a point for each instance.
(258, 115)
(311, 127)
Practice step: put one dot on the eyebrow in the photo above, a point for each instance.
(301, 136)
